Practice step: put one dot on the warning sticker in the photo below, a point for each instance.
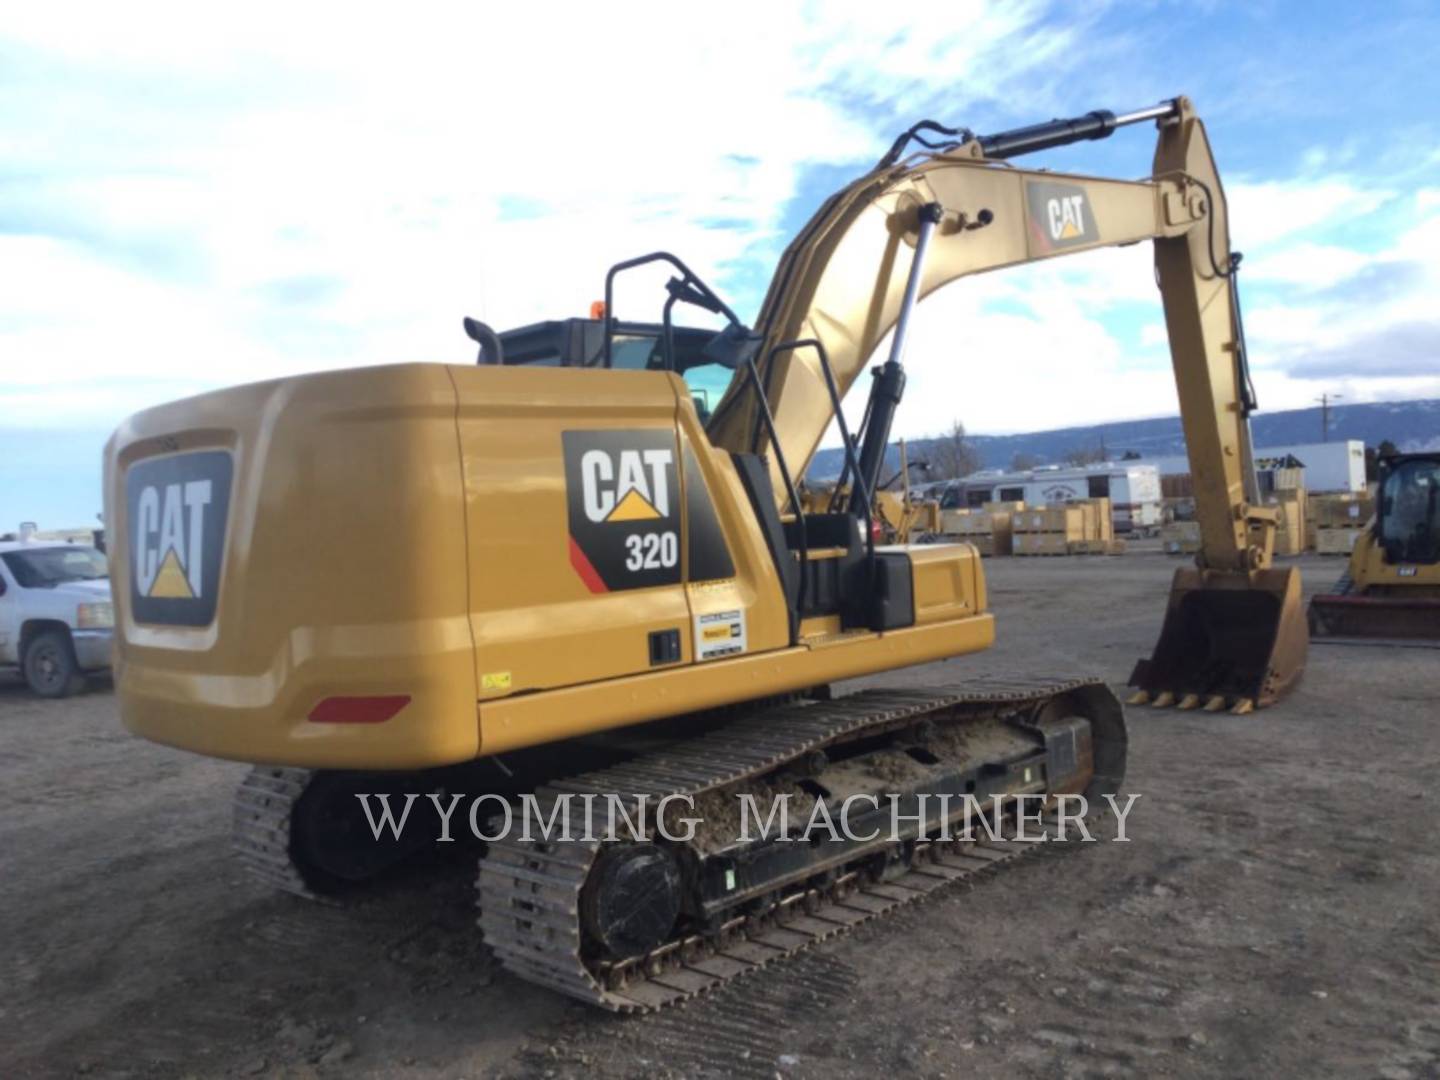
(720, 633)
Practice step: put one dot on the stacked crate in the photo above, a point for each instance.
(1339, 521)
(1049, 530)
(989, 530)
(1099, 526)
(1181, 537)
(1290, 532)
(1289, 479)
(1002, 526)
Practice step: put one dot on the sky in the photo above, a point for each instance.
(194, 196)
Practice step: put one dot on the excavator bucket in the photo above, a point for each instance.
(1231, 640)
(1375, 618)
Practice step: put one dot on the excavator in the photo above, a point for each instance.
(1391, 588)
(581, 570)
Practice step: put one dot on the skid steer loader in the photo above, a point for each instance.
(1391, 588)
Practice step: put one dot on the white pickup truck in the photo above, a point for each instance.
(56, 619)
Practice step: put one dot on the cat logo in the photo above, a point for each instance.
(1060, 215)
(175, 529)
(161, 526)
(631, 486)
(1066, 217)
(622, 493)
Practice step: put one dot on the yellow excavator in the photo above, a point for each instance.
(581, 569)
(1391, 587)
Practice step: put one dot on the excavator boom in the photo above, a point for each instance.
(1235, 632)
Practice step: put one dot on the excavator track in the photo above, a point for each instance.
(531, 892)
(260, 838)
(266, 804)
(299, 831)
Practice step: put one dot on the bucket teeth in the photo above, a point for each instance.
(1189, 701)
(1243, 706)
(1140, 697)
(1163, 700)
(1215, 703)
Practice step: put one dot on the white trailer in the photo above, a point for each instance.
(1332, 466)
(1133, 489)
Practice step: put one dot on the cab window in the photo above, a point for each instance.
(1410, 512)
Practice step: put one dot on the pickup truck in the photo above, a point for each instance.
(56, 619)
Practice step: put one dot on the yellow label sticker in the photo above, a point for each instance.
(495, 680)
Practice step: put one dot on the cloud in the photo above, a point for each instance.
(1373, 331)
(195, 197)
(237, 196)
(1403, 349)
(1265, 212)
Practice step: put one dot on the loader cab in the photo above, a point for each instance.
(1407, 522)
(634, 347)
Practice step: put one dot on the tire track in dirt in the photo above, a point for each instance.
(750, 1029)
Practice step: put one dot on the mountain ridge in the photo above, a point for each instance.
(1410, 425)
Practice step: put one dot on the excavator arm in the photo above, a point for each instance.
(1234, 633)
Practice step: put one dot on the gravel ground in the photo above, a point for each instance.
(1273, 914)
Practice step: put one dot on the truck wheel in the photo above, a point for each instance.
(50, 665)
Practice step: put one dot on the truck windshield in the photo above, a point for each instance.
(43, 568)
(1410, 512)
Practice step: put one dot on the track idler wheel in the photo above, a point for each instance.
(631, 899)
(1235, 640)
(331, 841)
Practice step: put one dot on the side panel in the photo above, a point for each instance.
(580, 495)
(574, 507)
(949, 582)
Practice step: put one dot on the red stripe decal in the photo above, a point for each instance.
(584, 569)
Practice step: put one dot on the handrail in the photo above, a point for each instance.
(851, 461)
(702, 295)
(769, 421)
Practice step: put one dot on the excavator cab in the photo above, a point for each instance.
(1391, 587)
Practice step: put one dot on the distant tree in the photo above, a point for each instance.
(1085, 455)
(1130, 455)
(1386, 448)
(1023, 462)
(952, 455)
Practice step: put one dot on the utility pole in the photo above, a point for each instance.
(1326, 400)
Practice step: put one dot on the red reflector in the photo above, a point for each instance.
(358, 710)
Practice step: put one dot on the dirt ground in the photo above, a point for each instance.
(1274, 914)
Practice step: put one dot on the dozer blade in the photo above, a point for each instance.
(1375, 619)
(1232, 637)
